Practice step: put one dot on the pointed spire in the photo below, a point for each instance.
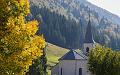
(88, 35)
(89, 14)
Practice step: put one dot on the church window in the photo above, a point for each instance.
(61, 71)
(87, 49)
(80, 71)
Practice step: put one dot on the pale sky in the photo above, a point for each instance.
(110, 5)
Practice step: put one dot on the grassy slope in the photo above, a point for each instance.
(53, 54)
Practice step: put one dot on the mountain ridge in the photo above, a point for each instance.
(61, 18)
(97, 9)
(106, 12)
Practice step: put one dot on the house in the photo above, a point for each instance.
(75, 63)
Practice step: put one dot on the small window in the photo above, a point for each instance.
(80, 71)
(61, 71)
(87, 49)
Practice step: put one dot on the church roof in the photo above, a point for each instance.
(73, 55)
(89, 35)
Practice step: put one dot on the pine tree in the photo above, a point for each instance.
(39, 67)
(18, 43)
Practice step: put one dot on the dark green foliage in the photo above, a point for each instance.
(57, 29)
(104, 61)
(66, 32)
(39, 66)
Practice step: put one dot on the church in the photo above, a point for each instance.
(73, 62)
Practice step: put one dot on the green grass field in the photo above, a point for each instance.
(53, 53)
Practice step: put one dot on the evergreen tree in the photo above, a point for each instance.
(53, 21)
(39, 67)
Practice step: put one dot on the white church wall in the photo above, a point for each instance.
(55, 70)
(71, 67)
(83, 65)
(89, 45)
(68, 67)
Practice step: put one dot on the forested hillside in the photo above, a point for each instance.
(63, 22)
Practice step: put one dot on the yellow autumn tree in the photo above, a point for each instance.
(18, 43)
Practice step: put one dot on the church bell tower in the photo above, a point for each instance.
(89, 42)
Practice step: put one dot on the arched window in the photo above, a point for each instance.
(61, 71)
(87, 49)
(80, 71)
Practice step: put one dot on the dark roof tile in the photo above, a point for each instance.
(73, 55)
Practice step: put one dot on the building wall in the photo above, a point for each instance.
(89, 45)
(68, 67)
(71, 67)
(82, 64)
(55, 70)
